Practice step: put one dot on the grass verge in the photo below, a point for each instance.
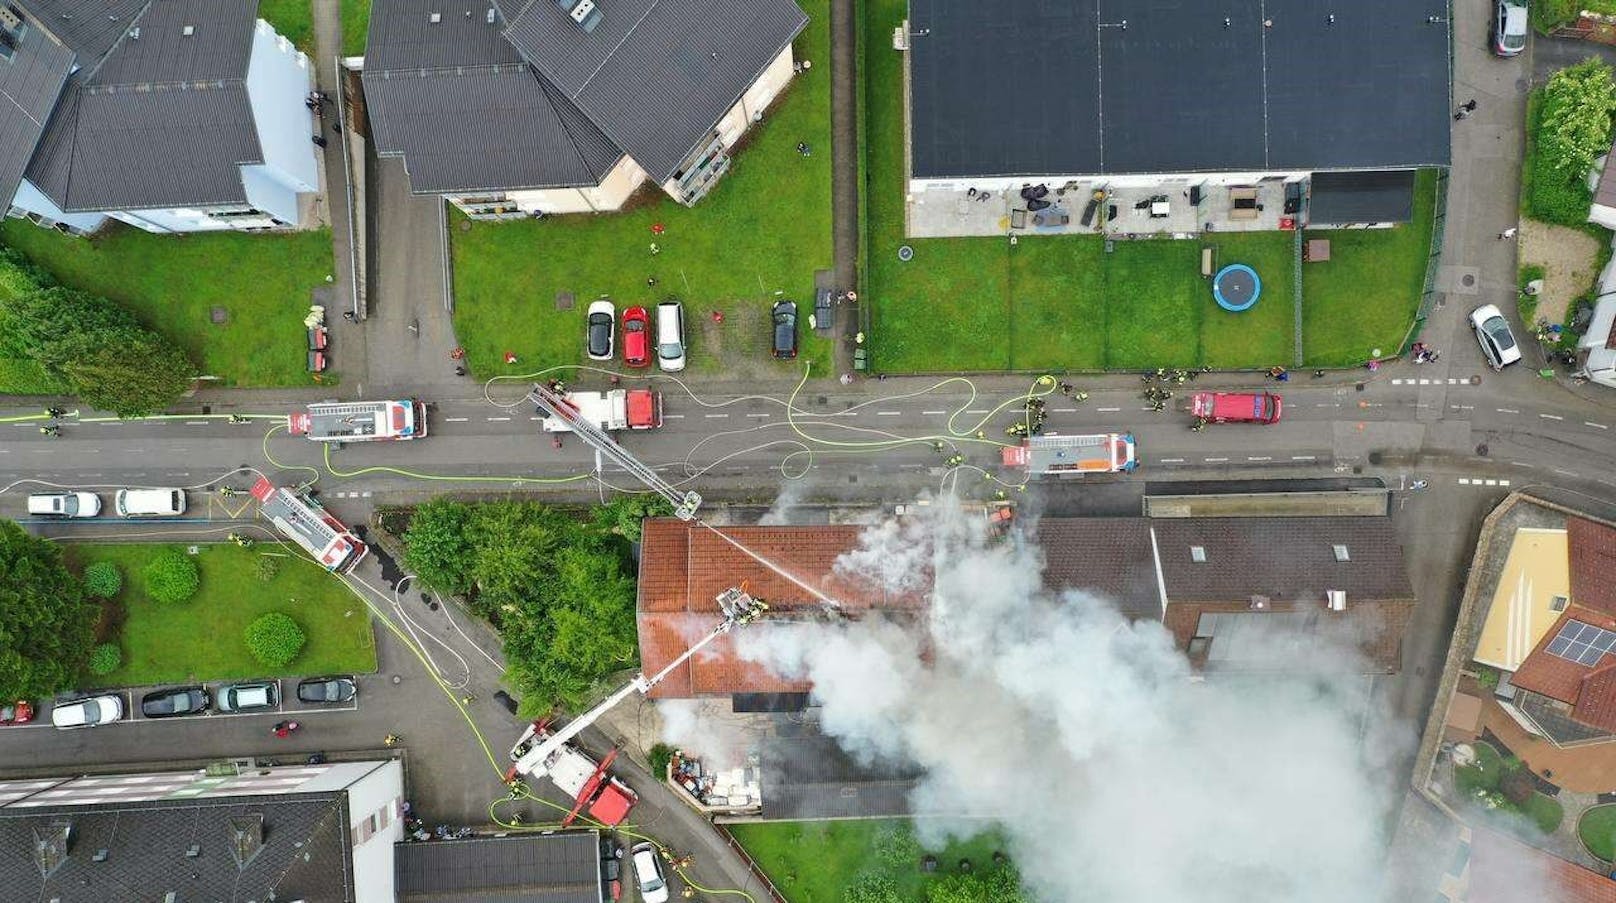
(1597, 828)
(262, 283)
(201, 639)
(817, 862)
(294, 20)
(760, 235)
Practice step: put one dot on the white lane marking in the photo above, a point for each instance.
(1507, 411)
(1172, 460)
(673, 416)
(1066, 410)
(716, 416)
(1565, 473)
(1597, 426)
(976, 412)
(196, 423)
(1264, 458)
(1108, 410)
(92, 451)
(834, 414)
(497, 419)
(1551, 416)
(1304, 457)
(888, 413)
(933, 413)
(1464, 481)
(759, 416)
(1521, 464)
(455, 419)
(1454, 381)
(1216, 460)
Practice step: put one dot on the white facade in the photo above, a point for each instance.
(30, 203)
(612, 192)
(1599, 362)
(375, 823)
(1163, 181)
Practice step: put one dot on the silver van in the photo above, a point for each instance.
(670, 336)
(150, 502)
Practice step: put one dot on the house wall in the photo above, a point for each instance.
(1380, 624)
(612, 192)
(756, 98)
(190, 219)
(1164, 180)
(31, 200)
(279, 79)
(1602, 215)
(375, 823)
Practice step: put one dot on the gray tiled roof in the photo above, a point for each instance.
(458, 103)
(88, 27)
(30, 83)
(1285, 559)
(525, 868)
(1106, 556)
(304, 856)
(656, 75)
(163, 121)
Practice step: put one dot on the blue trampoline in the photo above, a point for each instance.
(1236, 287)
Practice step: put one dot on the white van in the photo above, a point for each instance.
(64, 504)
(150, 502)
(670, 336)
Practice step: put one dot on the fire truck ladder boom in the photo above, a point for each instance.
(684, 503)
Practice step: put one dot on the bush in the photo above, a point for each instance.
(274, 639)
(103, 580)
(1517, 786)
(268, 566)
(105, 659)
(661, 755)
(896, 845)
(172, 577)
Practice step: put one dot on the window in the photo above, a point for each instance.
(1341, 553)
(1198, 554)
(1558, 603)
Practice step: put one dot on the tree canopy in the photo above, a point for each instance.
(1575, 126)
(46, 626)
(555, 586)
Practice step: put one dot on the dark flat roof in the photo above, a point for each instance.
(1337, 198)
(525, 868)
(1068, 88)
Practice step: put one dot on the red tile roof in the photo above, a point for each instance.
(1499, 865)
(1551, 675)
(1593, 564)
(1596, 700)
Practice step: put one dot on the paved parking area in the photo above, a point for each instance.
(286, 694)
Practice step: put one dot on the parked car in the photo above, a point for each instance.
(64, 504)
(324, 690)
(1509, 28)
(1498, 344)
(1237, 407)
(636, 338)
(247, 697)
(175, 701)
(19, 712)
(149, 502)
(648, 873)
(90, 711)
(602, 330)
(784, 316)
(670, 336)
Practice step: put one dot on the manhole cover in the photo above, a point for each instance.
(1360, 387)
(564, 300)
(1468, 280)
(219, 315)
(465, 225)
(1475, 380)
(852, 478)
(1482, 449)
(906, 253)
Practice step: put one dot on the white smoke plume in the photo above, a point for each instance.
(1116, 776)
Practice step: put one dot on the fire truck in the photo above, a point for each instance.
(305, 522)
(1055, 455)
(618, 409)
(360, 421)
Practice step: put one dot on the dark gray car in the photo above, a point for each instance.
(326, 690)
(175, 701)
(785, 329)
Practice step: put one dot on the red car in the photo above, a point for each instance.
(1236, 407)
(19, 712)
(636, 338)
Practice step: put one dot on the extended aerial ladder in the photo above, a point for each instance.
(684, 503)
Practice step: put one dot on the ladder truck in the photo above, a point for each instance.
(544, 751)
(565, 414)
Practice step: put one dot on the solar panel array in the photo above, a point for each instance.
(1582, 643)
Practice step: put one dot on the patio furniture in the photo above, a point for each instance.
(823, 317)
(1243, 203)
(1054, 217)
(1018, 219)
(1160, 208)
(1037, 204)
(1088, 212)
(1207, 260)
(1316, 250)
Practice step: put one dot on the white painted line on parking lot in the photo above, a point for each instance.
(934, 413)
(1507, 411)
(1216, 460)
(1263, 458)
(1108, 410)
(1551, 416)
(456, 419)
(1304, 457)
(1597, 426)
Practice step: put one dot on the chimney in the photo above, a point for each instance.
(1259, 603)
(1337, 599)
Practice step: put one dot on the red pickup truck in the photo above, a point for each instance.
(1236, 407)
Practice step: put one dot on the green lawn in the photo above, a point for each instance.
(764, 229)
(1264, 335)
(1155, 299)
(816, 862)
(294, 19)
(1597, 828)
(1057, 314)
(172, 283)
(1365, 296)
(202, 639)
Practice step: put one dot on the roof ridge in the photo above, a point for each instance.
(134, 22)
(572, 140)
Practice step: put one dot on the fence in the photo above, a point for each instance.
(1428, 293)
(751, 864)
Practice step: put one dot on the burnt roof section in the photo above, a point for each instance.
(1107, 86)
(31, 81)
(1339, 198)
(163, 121)
(525, 868)
(657, 75)
(304, 856)
(455, 100)
(1285, 559)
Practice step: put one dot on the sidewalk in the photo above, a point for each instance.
(350, 352)
(844, 105)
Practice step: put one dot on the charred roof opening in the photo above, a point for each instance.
(50, 846)
(247, 837)
(583, 12)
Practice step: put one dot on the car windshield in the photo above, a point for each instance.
(633, 326)
(70, 505)
(1498, 328)
(92, 711)
(670, 350)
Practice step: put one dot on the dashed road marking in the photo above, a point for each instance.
(1507, 410)
(1108, 410)
(1597, 426)
(1481, 481)
(498, 419)
(1564, 473)
(1304, 457)
(456, 419)
(673, 416)
(1551, 416)
(716, 416)
(1216, 460)
(1262, 458)
(1066, 410)
(1172, 460)
(933, 413)
(888, 413)
(976, 412)
(759, 416)
(196, 423)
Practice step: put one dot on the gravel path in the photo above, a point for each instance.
(1567, 256)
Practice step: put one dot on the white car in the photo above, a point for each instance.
(64, 504)
(601, 339)
(648, 874)
(670, 333)
(88, 712)
(1498, 344)
(1509, 28)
